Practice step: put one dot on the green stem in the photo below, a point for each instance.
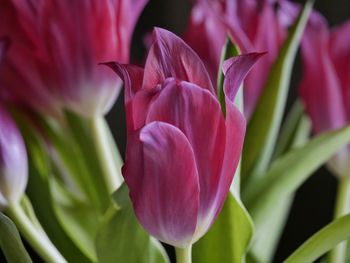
(184, 255)
(109, 158)
(35, 236)
(342, 207)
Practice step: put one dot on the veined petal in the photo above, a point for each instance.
(57, 46)
(161, 173)
(131, 75)
(169, 57)
(197, 113)
(235, 69)
(136, 100)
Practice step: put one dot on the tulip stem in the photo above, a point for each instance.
(36, 237)
(184, 255)
(342, 207)
(109, 155)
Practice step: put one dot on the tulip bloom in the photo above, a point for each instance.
(181, 152)
(325, 87)
(56, 45)
(254, 26)
(13, 161)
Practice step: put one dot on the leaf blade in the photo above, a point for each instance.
(235, 226)
(321, 242)
(121, 233)
(290, 171)
(267, 117)
(11, 243)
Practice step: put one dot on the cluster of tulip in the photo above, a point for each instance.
(211, 166)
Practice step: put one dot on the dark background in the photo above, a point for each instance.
(313, 204)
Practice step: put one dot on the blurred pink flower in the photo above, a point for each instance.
(55, 48)
(13, 161)
(182, 152)
(254, 26)
(325, 87)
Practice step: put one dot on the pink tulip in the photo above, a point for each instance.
(325, 87)
(13, 161)
(254, 26)
(181, 152)
(56, 46)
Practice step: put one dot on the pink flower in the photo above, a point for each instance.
(325, 87)
(56, 45)
(254, 25)
(182, 151)
(13, 161)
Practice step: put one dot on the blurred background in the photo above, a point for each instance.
(313, 204)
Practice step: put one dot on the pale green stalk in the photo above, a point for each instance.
(36, 237)
(342, 207)
(110, 159)
(184, 255)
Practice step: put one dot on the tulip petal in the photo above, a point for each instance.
(320, 78)
(206, 34)
(169, 56)
(340, 55)
(198, 115)
(131, 75)
(136, 100)
(13, 160)
(235, 132)
(235, 69)
(161, 173)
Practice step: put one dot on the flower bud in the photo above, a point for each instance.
(13, 161)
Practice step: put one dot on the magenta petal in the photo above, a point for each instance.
(136, 103)
(235, 69)
(206, 35)
(131, 75)
(161, 173)
(235, 132)
(13, 161)
(169, 56)
(320, 77)
(340, 55)
(134, 11)
(197, 113)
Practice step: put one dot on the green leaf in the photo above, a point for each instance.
(40, 171)
(11, 243)
(290, 171)
(79, 220)
(269, 232)
(266, 239)
(122, 239)
(321, 242)
(265, 122)
(66, 152)
(82, 133)
(229, 237)
(288, 130)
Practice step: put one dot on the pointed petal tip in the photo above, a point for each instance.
(235, 70)
(251, 57)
